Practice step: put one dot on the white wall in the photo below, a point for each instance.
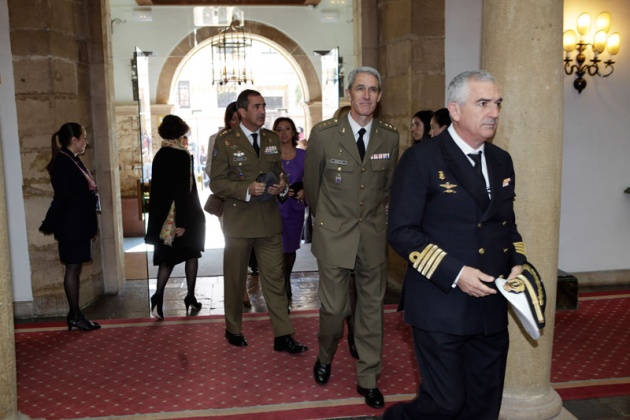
(12, 177)
(462, 37)
(595, 213)
(595, 218)
(172, 24)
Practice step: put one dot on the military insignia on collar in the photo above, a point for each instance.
(441, 175)
(449, 188)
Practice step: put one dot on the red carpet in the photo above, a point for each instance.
(183, 367)
(591, 347)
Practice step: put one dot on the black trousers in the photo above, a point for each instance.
(462, 377)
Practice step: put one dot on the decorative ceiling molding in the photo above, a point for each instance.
(228, 2)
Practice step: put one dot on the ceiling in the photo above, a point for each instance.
(228, 2)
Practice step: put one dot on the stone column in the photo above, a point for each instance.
(8, 375)
(521, 47)
(106, 156)
(408, 36)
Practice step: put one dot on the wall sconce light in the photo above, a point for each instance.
(600, 43)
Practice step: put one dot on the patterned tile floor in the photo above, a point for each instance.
(133, 302)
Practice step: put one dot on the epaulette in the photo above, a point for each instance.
(223, 133)
(332, 122)
(269, 131)
(388, 126)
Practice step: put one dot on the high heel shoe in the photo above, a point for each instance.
(156, 306)
(191, 301)
(82, 323)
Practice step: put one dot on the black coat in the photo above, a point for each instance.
(439, 205)
(171, 181)
(72, 213)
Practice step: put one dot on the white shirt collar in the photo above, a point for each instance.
(356, 127)
(465, 147)
(248, 133)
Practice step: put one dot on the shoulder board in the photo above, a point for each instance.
(387, 126)
(333, 122)
(223, 133)
(266, 131)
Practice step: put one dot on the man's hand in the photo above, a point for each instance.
(471, 282)
(276, 189)
(257, 188)
(516, 270)
(180, 231)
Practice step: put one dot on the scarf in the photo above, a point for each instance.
(167, 234)
(91, 183)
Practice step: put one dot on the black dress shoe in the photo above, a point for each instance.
(288, 344)
(373, 397)
(321, 372)
(237, 340)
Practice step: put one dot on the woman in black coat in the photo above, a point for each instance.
(72, 214)
(177, 224)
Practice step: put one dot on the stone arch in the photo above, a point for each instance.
(313, 87)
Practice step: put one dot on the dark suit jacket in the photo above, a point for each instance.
(348, 196)
(440, 220)
(171, 182)
(72, 213)
(234, 167)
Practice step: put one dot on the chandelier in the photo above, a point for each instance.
(229, 55)
(601, 42)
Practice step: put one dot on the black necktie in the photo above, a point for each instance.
(256, 148)
(360, 144)
(476, 157)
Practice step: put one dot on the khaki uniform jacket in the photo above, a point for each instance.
(234, 167)
(348, 197)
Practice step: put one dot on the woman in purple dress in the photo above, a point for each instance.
(292, 209)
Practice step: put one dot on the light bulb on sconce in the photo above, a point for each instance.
(601, 41)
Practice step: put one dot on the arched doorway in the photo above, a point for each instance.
(286, 78)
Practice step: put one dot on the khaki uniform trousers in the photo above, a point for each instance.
(235, 259)
(368, 318)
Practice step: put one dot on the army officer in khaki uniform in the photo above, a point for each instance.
(348, 173)
(251, 218)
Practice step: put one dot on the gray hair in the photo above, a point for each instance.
(369, 70)
(458, 90)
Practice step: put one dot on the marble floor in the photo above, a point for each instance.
(133, 302)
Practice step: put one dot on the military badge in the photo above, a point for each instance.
(449, 188)
(271, 150)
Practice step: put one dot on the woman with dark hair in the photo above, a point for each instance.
(72, 214)
(420, 126)
(292, 209)
(177, 224)
(440, 121)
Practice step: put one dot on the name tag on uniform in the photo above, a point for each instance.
(338, 162)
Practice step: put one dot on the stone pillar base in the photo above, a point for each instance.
(547, 406)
